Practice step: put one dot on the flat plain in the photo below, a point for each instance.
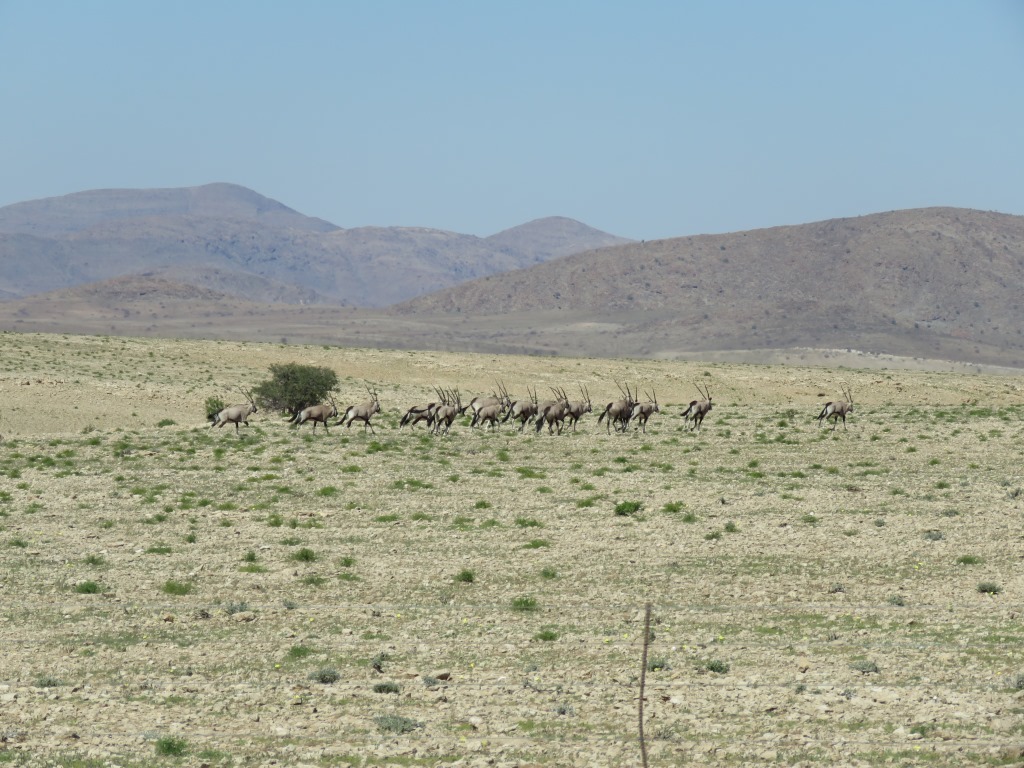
(176, 595)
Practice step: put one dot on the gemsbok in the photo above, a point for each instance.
(447, 413)
(553, 412)
(838, 409)
(423, 412)
(642, 411)
(698, 408)
(579, 407)
(318, 414)
(619, 411)
(523, 411)
(362, 412)
(235, 414)
(499, 398)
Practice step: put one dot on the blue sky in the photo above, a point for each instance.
(644, 119)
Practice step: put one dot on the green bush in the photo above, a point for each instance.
(292, 387)
(213, 406)
(627, 508)
(170, 746)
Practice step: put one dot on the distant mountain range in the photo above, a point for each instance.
(223, 262)
(233, 240)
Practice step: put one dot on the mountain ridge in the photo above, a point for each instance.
(104, 234)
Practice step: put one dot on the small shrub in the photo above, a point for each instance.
(537, 544)
(47, 681)
(178, 588)
(524, 604)
(896, 600)
(327, 490)
(232, 608)
(304, 555)
(713, 536)
(346, 562)
(297, 652)
(465, 576)
(546, 636)
(529, 473)
(865, 667)
(970, 560)
(548, 573)
(717, 666)
(171, 746)
(482, 504)
(627, 508)
(94, 560)
(731, 527)
(326, 676)
(657, 665)
(396, 724)
(528, 522)
(836, 589)
(672, 507)
(166, 423)
(809, 519)
(88, 588)
(388, 687)
(934, 535)
(989, 588)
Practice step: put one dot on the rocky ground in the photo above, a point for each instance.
(184, 596)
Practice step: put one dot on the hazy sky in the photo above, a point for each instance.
(644, 119)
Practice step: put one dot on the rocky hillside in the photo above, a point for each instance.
(231, 239)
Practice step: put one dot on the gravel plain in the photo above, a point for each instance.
(176, 595)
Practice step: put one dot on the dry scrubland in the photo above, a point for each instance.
(178, 595)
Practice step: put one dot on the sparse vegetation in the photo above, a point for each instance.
(446, 586)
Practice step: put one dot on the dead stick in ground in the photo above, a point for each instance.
(643, 681)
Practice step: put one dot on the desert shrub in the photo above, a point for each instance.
(627, 508)
(524, 604)
(326, 676)
(396, 724)
(171, 746)
(465, 576)
(989, 588)
(178, 588)
(213, 406)
(387, 687)
(297, 652)
(304, 555)
(292, 387)
(88, 588)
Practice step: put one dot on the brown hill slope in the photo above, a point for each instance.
(258, 247)
(934, 282)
